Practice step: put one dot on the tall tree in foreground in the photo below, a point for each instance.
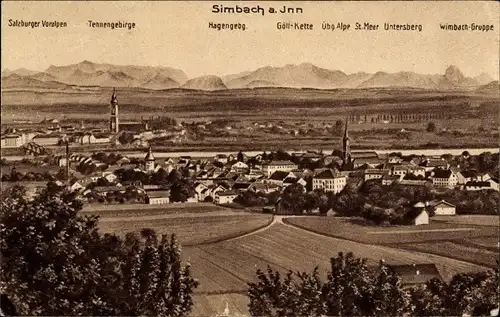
(351, 288)
(54, 262)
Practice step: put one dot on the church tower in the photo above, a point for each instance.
(149, 161)
(113, 115)
(346, 148)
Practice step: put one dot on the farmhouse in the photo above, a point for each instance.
(442, 207)
(416, 274)
(330, 181)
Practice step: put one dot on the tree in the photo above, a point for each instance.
(55, 262)
(181, 190)
(431, 127)
(293, 199)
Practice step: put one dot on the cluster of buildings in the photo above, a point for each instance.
(419, 171)
(53, 133)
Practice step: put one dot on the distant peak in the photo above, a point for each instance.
(86, 62)
(453, 73)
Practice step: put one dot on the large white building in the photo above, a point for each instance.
(444, 178)
(330, 181)
(273, 166)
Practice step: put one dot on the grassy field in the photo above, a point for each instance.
(224, 268)
(135, 210)
(193, 230)
(451, 237)
(228, 265)
(224, 260)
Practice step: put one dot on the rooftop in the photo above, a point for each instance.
(413, 274)
(327, 174)
(280, 163)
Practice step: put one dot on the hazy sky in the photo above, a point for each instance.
(176, 34)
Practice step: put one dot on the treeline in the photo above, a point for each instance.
(352, 288)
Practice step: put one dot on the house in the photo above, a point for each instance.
(394, 159)
(76, 186)
(493, 183)
(157, 197)
(47, 139)
(389, 179)
(442, 207)
(444, 178)
(12, 140)
(418, 215)
(416, 274)
(225, 197)
(478, 185)
(374, 174)
(239, 167)
(400, 170)
(110, 177)
(330, 181)
(416, 170)
(273, 166)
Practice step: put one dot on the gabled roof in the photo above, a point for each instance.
(327, 174)
(439, 173)
(279, 175)
(435, 203)
(416, 273)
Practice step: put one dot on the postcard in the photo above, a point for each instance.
(250, 158)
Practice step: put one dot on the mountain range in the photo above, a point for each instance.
(304, 75)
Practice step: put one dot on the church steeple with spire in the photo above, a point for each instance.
(346, 147)
(113, 115)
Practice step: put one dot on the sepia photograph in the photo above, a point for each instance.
(272, 158)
